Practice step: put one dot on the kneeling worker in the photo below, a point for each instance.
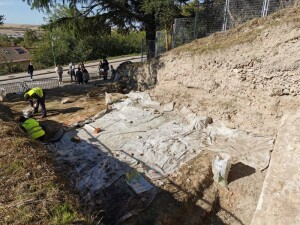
(38, 94)
(32, 127)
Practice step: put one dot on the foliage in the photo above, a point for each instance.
(1, 19)
(125, 14)
(189, 10)
(68, 48)
(4, 40)
(165, 11)
(30, 37)
(10, 67)
(63, 214)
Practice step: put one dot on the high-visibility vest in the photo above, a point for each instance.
(36, 90)
(33, 128)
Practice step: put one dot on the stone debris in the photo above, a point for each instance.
(65, 101)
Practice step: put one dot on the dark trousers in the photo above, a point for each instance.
(72, 74)
(31, 74)
(40, 101)
(105, 74)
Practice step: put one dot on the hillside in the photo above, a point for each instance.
(246, 78)
(17, 30)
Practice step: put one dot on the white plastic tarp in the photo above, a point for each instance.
(139, 134)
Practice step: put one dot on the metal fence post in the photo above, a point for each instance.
(226, 8)
(142, 50)
(265, 8)
(196, 19)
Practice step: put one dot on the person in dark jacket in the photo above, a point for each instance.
(86, 75)
(105, 65)
(79, 76)
(30, 70)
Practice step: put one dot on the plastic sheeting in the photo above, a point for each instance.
(242, 146)
(140, 133)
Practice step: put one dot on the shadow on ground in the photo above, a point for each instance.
(239, 170)
(119, 204)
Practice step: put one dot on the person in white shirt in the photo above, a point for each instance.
(59, 70)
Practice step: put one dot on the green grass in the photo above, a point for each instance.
(31, 191)
(63, 214)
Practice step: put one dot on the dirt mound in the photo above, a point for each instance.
(247, 77)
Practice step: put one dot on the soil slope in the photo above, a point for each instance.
(247, 77)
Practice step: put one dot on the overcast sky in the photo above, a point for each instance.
(17, 11)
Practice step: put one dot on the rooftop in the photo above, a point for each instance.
(14, 54)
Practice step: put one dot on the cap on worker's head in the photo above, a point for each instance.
(26, 96)
(22, 119)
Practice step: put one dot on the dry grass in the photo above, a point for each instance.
(31, 192)
(244, 33)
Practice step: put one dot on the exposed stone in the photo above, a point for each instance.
(285, 92)
(237, 70)
(65, 101)
(276, 92)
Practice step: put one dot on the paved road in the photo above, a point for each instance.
(50, 73)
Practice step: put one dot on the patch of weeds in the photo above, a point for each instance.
(15, 167)
(19, 143)
(63, 214)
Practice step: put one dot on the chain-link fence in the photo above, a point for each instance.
(216, 16)
(21, 87)
(240, 11)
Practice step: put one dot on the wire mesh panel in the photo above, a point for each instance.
(240, 11)
(13, 87)
(209, 18)
(44, 84)
(275, 5)
(19, 87)
(183, 31)
(160, 43)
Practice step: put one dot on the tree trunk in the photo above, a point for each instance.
(150, 28)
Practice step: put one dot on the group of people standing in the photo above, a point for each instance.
(81, 76)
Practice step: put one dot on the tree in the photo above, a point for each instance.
(1, 19)
(81, 39)
(30, 37)
(165, 11)
(125, 14)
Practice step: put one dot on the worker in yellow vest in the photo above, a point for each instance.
(38, 94)
(32, 127)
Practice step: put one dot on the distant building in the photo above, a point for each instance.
(15, 54)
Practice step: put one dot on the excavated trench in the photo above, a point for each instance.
(188, 194)
(143, 135)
